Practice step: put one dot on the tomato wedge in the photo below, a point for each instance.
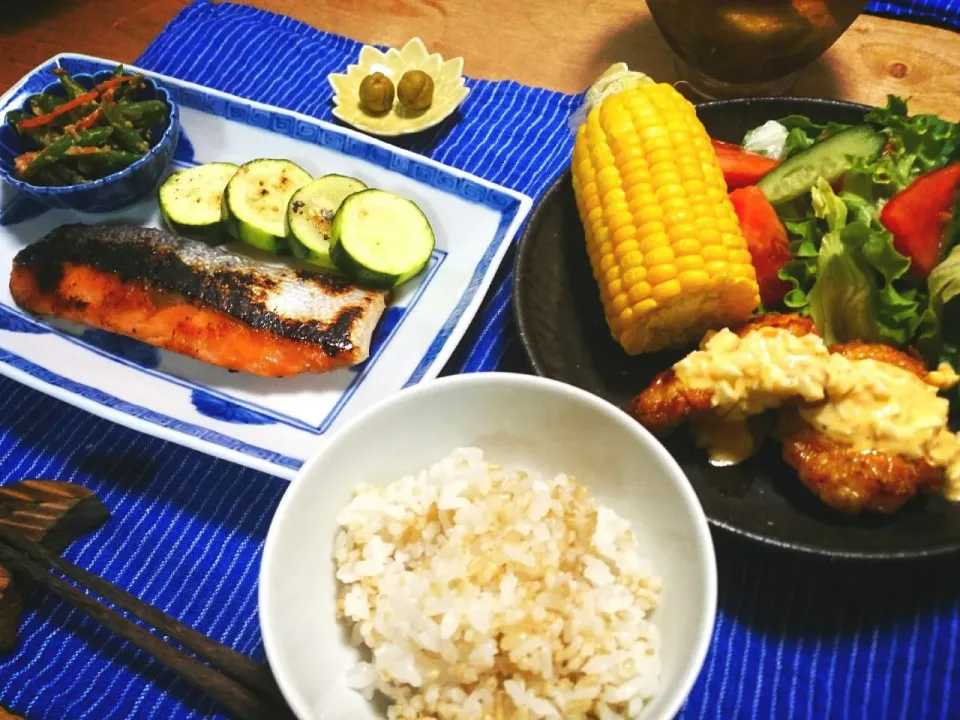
(918, 217)
(766, 239)
(741, 168)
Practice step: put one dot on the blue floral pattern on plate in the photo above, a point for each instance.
(20, 210)
(220, 408)
(184, 152)
(135, 351)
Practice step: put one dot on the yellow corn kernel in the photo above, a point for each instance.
(640, 197)
(709, 236)
(648, 229)
(718, 268)
(659, 256)
(632, 260)
(623, 234)
(686, 246)
(607, 179)
(715, 252)
(619, 303)
(627, 247)
(739, 257)
(633, 276)
(661, 274)
(689, 262)
(638, 292)
(692, 280)
(618, 219)
(654, 241)
(648, 213)
(644, 306)
(682, 231)
(666, 290)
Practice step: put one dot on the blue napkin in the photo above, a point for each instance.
(795, 637)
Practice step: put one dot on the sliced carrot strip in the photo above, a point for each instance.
(42, 120)
(87, 122)
(91, 96)
(114, 82)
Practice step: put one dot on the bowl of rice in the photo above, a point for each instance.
(488, 547)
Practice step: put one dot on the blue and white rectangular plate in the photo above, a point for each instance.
(268, 424)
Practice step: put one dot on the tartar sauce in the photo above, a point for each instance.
(867, 404)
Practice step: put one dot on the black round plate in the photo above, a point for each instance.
(563, 331)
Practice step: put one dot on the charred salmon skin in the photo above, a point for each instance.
(182, 295)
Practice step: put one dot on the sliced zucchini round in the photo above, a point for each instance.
(191, 201)
(256, 202)
(379, 239)
(310, 216)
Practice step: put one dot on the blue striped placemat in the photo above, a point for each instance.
(935, 12)
(795, 637)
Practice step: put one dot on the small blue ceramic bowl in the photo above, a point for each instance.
(113, 191)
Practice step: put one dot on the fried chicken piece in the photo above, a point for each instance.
(852, 480)
(668, 401)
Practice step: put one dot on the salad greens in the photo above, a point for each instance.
(917, 145)
(803, 132)
(846, 271)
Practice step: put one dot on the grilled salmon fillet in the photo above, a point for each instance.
(205, 302)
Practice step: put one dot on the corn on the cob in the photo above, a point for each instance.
(662, 236)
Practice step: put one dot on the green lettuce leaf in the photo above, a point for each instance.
(943, 282)
(854, 294)
(802, 132)
(843, 298)
(925, 142)
(917, 145)
(938, 337)
(801, 271)
(951, 234)
(898, 313)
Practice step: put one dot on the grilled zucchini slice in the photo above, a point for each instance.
(379, 239)
(191, 201)
(256, 201)
(310, 216)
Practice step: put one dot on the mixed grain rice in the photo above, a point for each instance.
(483, 595)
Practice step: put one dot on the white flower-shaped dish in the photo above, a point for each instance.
(449, 89)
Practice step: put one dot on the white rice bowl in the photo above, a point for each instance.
(522, 422)
(490, 594)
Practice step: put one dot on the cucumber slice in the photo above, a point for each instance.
(829, 159)
(256, 202)
(310, 216)
(191, 201)
(379, 239)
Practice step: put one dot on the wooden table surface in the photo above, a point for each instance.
(559, 44)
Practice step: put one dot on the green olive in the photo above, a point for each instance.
(415, 90)
(376, 93)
